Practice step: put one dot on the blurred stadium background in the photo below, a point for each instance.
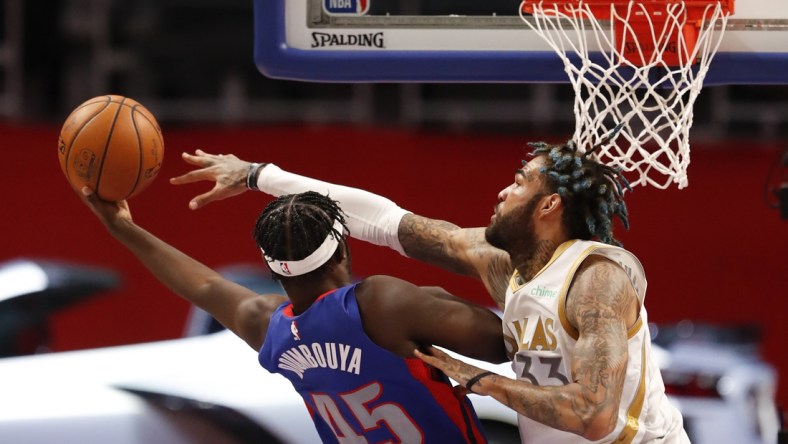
(715, 252)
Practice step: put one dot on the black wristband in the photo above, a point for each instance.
(253, 174)
(471, 382)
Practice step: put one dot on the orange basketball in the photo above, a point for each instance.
(113, 145)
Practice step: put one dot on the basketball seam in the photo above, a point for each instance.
(154, 124)
(107, 99)
(106, 147)
(76, 134)
(139, 151)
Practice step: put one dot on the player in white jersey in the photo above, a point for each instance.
(573, 309)
(543, 344)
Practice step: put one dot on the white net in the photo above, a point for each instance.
(648, 85)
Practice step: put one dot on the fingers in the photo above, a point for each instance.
(92, 198)
(425, 357)
(200, 158)
(199, 202)
(434, 352)
(204, 199)
(88, 194)
(192, 176)
(226, 171)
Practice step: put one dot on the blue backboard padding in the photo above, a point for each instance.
(748, 68)
(276, 60)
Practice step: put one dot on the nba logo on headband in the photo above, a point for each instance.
(312, 262)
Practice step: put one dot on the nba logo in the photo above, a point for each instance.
(294, 331)
(346, 7)
(285, 268)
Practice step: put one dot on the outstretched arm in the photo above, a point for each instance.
(371, 218)
(601, 302)
(239, 309)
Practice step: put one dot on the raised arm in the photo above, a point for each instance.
(241, 310)
(371, 218)
(400, 316)
(601, 303)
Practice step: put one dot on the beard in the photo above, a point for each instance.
(515, 232)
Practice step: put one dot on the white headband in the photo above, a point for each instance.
(311, 262)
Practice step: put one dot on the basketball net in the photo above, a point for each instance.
(636, 67)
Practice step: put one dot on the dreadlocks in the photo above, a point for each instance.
(591, 192)
(293, 226)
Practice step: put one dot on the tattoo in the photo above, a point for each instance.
(462, 251)
(544, 250)
(600, 298)
(598, 304)
(499, 271)
(429, 240)
(534, 258)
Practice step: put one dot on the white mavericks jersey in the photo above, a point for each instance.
(541, 343)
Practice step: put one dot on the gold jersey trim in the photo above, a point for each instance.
(567, 326)
(633, 412)
(516, 282)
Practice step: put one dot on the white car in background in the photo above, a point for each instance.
(208, 387)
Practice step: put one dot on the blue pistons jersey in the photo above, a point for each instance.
(357, 391)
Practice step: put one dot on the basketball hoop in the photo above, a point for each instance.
(635, 63)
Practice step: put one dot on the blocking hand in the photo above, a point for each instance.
(226, 170)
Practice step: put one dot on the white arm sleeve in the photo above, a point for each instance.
(371, 218)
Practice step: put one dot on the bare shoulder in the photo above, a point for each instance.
(387, 306)
(380, 294)
(252, 317)
(382, 284)
(600, 290)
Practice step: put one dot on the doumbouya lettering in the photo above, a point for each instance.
(330, 355)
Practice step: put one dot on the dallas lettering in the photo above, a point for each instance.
(323, 39)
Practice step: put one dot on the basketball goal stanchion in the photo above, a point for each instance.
(635, 63)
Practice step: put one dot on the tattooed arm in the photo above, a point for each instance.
(459, 250)
(371, 218)
(601, 305)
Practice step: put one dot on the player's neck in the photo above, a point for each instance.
(303, 293)
(530, 261)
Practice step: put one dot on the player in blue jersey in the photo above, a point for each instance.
(347, 348)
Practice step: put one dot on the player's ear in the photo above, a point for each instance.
(342, 250)
(551, 204)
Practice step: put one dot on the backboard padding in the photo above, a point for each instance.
(295, 42)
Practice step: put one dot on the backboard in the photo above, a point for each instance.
(379, 41)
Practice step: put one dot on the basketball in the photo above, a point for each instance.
(113, 145)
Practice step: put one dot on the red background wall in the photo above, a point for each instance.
(713, 252)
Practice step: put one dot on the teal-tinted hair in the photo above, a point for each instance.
(591, 192)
